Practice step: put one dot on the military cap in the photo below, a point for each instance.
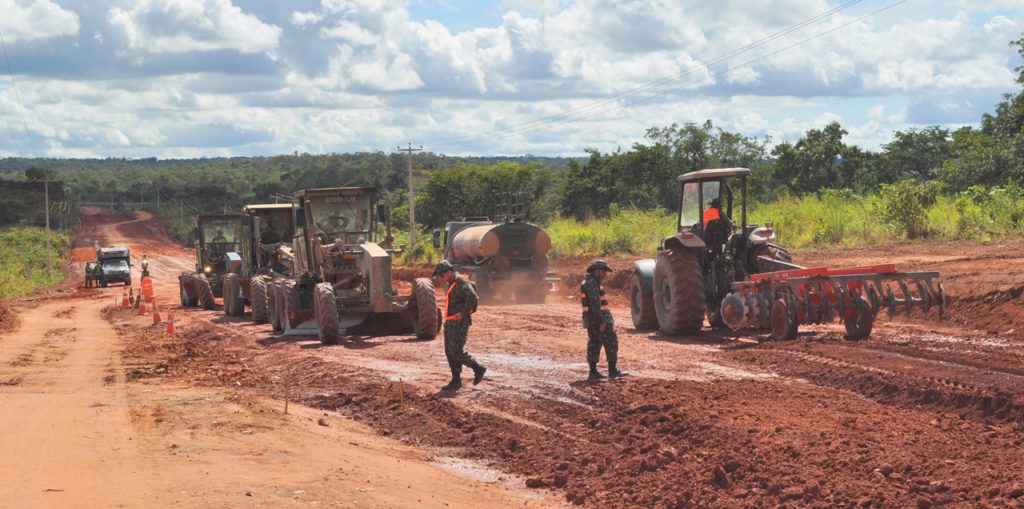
(442, 267)
(599, 264)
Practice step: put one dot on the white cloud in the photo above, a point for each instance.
(29, 20)
(182, 26)
(302, 19)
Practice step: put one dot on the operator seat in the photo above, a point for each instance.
(716, 234)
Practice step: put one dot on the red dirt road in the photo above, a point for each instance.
(923, 414)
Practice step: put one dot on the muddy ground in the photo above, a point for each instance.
(922, 414)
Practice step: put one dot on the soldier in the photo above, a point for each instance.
(460, 304)
(145, 266)
(597, 319)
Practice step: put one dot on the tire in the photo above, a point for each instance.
(423, 307)
(783, 321)
(859, 326)
(187, 289)
(715, 318)
(678, 292)
(326, 308)
(237, 299)
(183, 292)
(275, 301)
(641, 305)
(260, 304)
(205, 292)
(290, 300)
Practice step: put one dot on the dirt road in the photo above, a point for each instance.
(79, 428)
(924, 414)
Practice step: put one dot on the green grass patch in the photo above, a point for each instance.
(23, 260)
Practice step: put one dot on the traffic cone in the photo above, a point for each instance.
(170, 321)
(131, 295)
(124, 300)
(142, 307)
(156, 314)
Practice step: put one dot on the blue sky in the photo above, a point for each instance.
(194, 78)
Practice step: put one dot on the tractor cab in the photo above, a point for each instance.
(218, 242)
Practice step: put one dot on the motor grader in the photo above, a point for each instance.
(217, 253)
(737, 275)
(265, 248)
(342, 282)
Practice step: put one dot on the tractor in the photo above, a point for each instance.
(342, 281)
(266, 237)
(696, 267)
(217, 239)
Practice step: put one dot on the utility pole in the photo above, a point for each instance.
(412, 200)
(46, 204)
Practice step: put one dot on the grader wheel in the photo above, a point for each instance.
(326, 309)
(205, 292)
(260, 305)
(425, 315)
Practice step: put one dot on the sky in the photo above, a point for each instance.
(210, 78)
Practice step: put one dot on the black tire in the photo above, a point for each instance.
(183, 292)
(188, 290)
(678, 292)
(260, 304)
(641, 305)
(205, 292)
(237, 299)
(783, 321)
(859, 327)
(326, 309)
(275, 301)
(423, 307)
(290, 301)
(228, 285)
(714, 317)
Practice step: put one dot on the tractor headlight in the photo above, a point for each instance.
(207, 269)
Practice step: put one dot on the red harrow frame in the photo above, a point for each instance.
(785, 299)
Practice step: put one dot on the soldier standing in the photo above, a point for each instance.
(597, 319)
(460, 304)
(145, 266)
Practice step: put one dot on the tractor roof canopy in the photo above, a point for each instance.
(716, 173)
(268, 206)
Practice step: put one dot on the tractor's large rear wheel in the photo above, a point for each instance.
(205, 292)
(678, 292)
(859, 325)
(641, 305)
(260, 305)
(326, 308)
(426, 318)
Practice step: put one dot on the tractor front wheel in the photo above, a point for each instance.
(205, 292)
(641, 305)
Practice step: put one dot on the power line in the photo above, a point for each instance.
(14, 85)
(582, 113)
(10, 129)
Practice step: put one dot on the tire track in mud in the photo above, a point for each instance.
(905, 378)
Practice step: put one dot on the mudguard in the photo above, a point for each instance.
(645, 269)
(683, 240)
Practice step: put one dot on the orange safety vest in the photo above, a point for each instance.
(586, 305)
(447, 300)
(710, 214)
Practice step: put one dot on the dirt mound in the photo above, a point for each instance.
(8, 318)
(999, 311)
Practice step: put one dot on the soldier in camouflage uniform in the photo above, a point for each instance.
(460, 304)
(597, 319)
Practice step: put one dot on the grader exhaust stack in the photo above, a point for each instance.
(785, 299)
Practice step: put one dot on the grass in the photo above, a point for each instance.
(23, 260)
(829, 219)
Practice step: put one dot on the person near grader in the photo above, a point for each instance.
(460, 304)
(598, 320)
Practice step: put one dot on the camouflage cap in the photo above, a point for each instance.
(442, 267)
(599, 264)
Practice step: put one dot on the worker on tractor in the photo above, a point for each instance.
(460, 304)
(714, 211)
(598, 320)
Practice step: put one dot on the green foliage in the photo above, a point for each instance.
(23, 260)
(905, 203)
(472, 190)
(629, 231)
(832, 217)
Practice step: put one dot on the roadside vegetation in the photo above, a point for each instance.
(23, 260)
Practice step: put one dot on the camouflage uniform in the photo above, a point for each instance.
(596, 313)
(460, 302)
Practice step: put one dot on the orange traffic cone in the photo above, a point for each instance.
(170, 321)
(142, 307)
(131, 295)
(156, 314)
(124, 300)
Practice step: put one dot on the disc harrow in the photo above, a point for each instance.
(784, 300)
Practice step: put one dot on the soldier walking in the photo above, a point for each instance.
(597, 319)
(460, 304)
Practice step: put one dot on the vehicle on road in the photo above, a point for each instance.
(266, 245)
(217, 244)
(113, 265)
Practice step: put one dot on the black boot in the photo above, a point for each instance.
(478, 373)
(614, 372)
(594, 373)
(456, 381)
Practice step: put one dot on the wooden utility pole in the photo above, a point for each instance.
(412, 201)
(46, 204)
